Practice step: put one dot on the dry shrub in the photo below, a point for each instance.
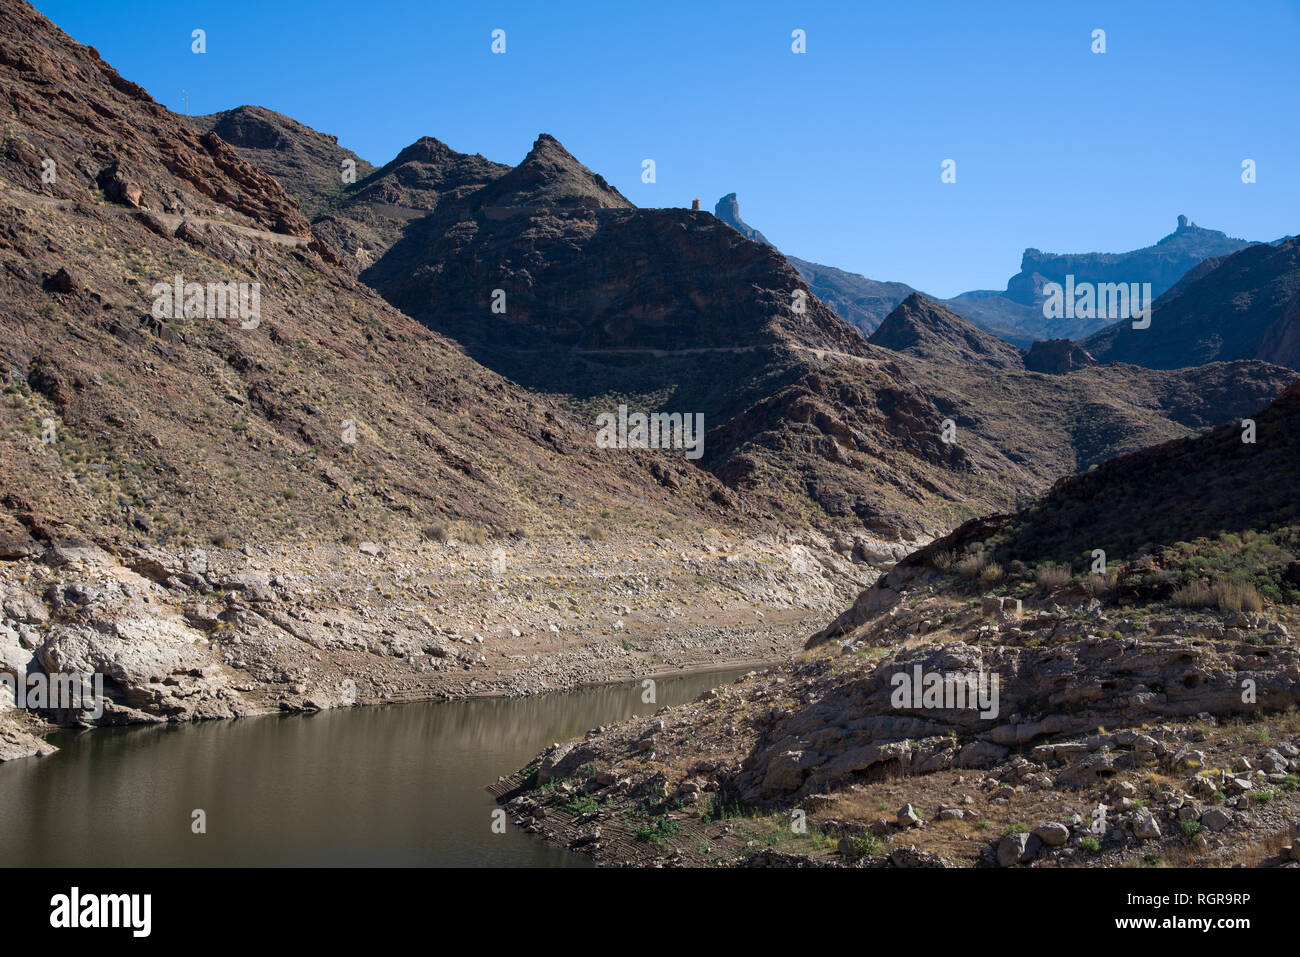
(972, 566)
(1053, 576)
(1223, 595)
(1101, 583)
(472, 534)
(991, 574)
(1237, 596)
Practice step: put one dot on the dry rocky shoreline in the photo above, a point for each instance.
(1139, 712)
(212, 632)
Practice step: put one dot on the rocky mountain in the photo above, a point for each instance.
(1176, 492)
(1243, 306)
(922, 327)
(1057, 356)
(986, 690)
(727, 209)
(604, 304)
(228, 469)
(307, 163)
(235, 479)
(364, 215)
(1017, 314)
(862, 301)
(551, 277)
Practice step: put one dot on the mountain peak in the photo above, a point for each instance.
(552, 176)
(426, 149)
(922, 327)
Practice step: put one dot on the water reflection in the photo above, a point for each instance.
(392, 786)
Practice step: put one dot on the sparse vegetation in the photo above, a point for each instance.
(1051, 576)
(1223, 595)
(657, 831)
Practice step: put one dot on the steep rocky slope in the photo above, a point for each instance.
(363, 215)
(296, 496)
(606, 305)
(861, 301)
(307, 163)
(551, 277)
(1056, 356)
(1000, 708)
(1243, 306)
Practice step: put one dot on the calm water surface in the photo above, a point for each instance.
(398, 785)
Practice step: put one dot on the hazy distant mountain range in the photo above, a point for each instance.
(1015, 314)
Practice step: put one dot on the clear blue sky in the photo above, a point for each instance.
(836, 153)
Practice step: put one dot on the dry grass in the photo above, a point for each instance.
(1223, 595)
(1101, 584)
(971, 567)
(1053, 576)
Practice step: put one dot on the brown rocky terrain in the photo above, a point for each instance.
(1057, 356)
(1145, 711)
(858, 441)
(307, 163)
(227, 513)
(607, 304)
(356, 500)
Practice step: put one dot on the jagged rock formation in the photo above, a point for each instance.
(1064, 691)
(1017, 313)
(1243, 306)
(307, 163)
(603, 299)
(598, 296)
(133, 438)
(727, 209)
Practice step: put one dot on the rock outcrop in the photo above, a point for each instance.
(1057, 357)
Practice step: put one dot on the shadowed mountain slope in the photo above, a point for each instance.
(552, 278)
(922, 327)
(1243, 306)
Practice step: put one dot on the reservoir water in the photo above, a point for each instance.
(401, 785)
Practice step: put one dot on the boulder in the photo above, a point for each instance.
(1052, 834)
